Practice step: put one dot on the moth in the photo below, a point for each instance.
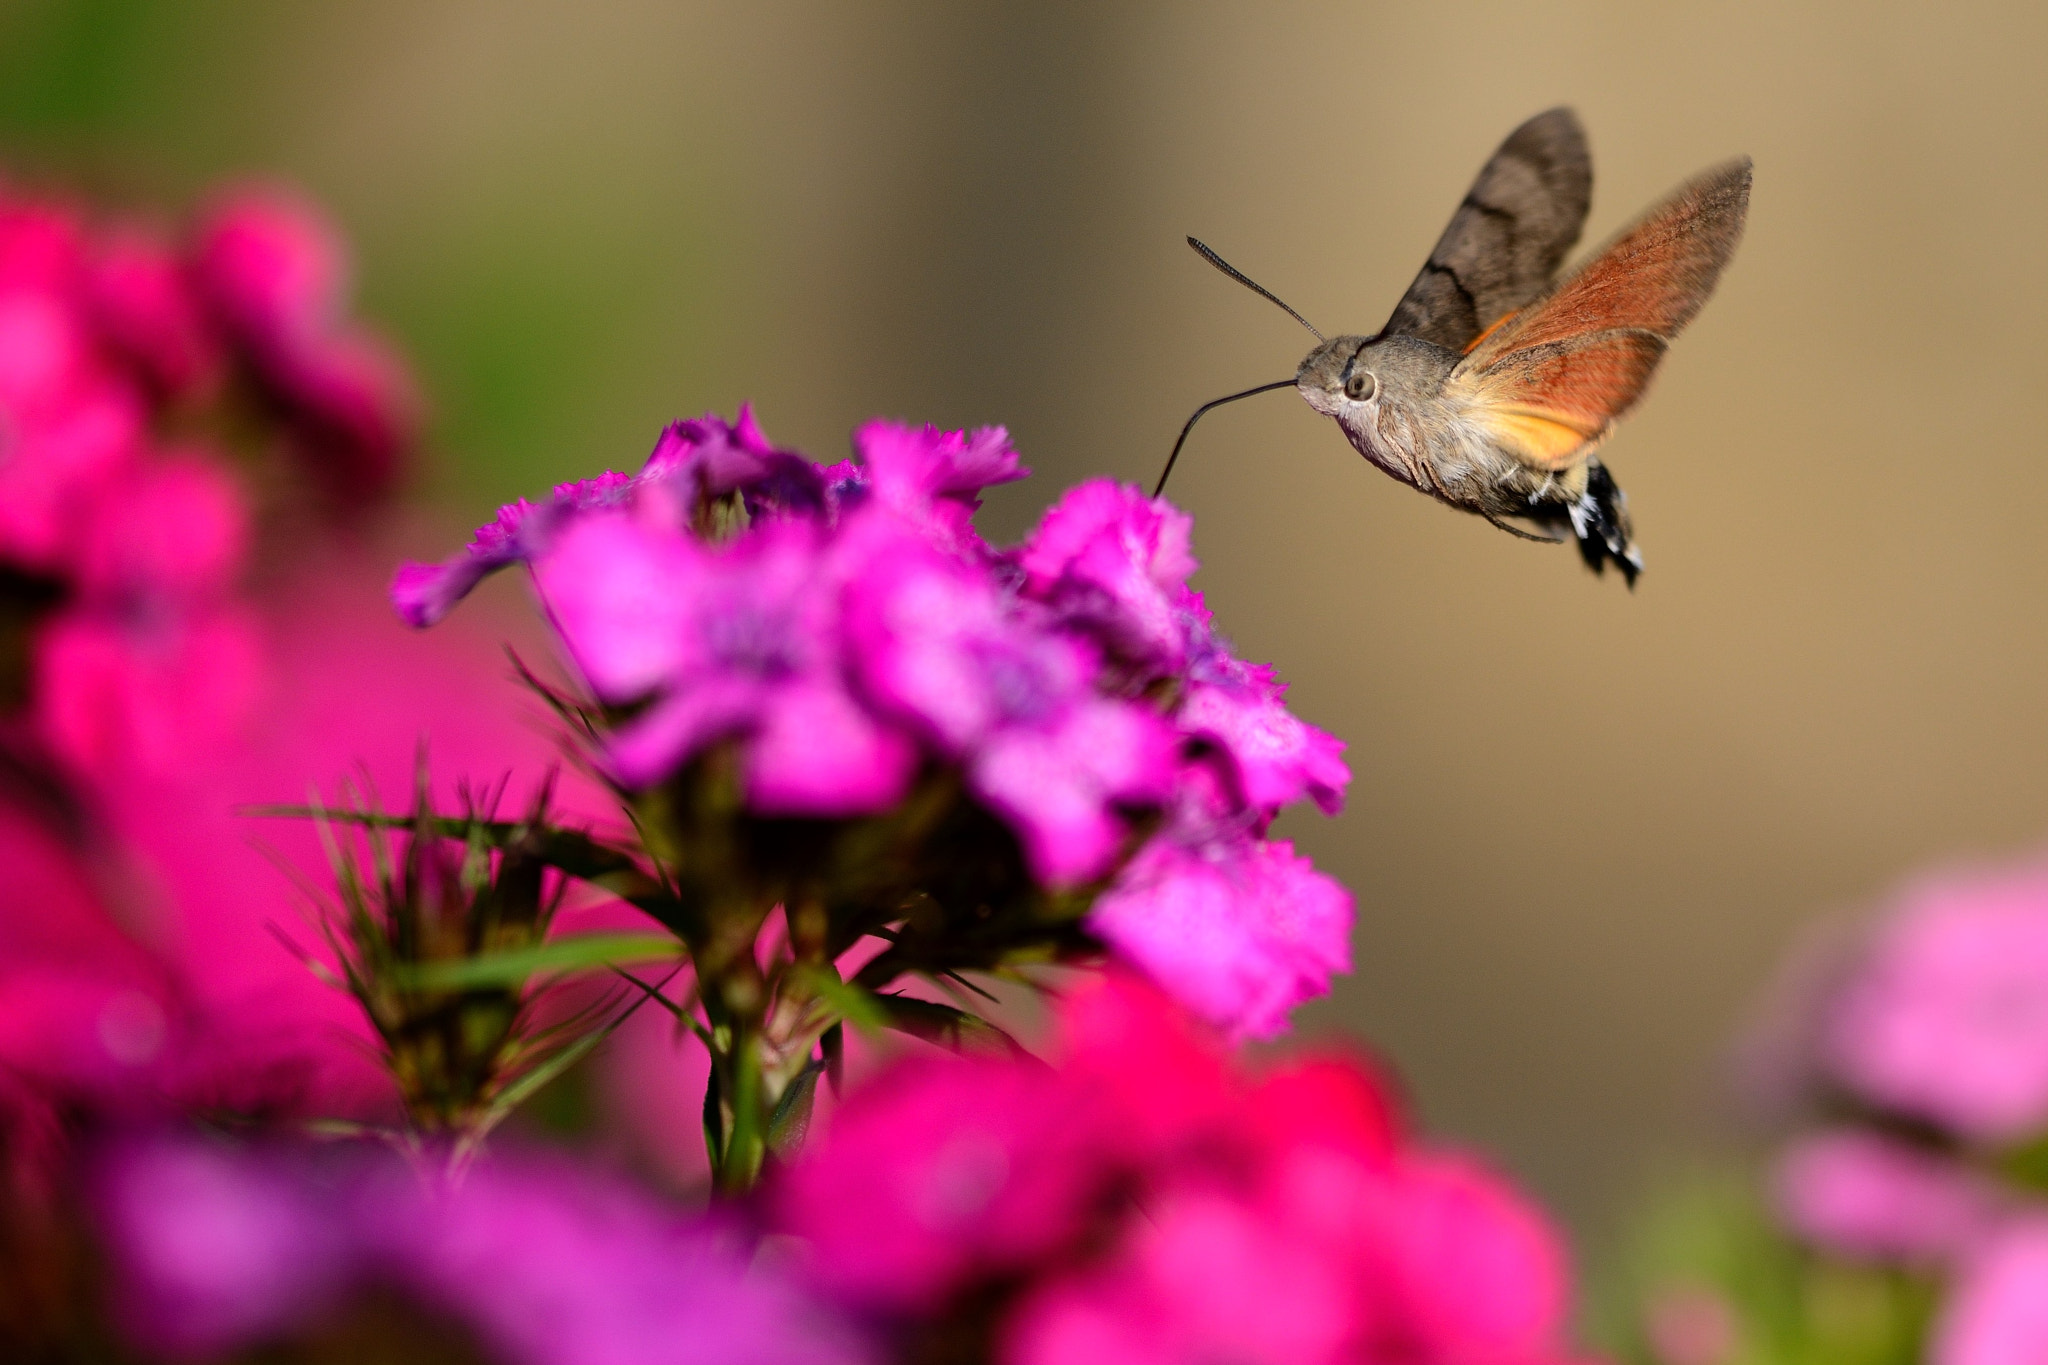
(1494, 382)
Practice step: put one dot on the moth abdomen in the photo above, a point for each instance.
(1600, 521)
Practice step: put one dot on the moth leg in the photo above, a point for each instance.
(1519, 533)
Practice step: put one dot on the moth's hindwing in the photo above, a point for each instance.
(1551, 380)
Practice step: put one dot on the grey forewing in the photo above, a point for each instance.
(1508, 237)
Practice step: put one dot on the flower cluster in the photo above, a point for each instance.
(870, 764)
(839, 644)
(1144, 1199)
(132, 367)
(532, 1262)
(166, 401)
(1916, 1058)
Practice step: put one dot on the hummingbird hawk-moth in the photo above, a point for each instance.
(1493, 382)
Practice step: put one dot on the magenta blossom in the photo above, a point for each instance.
(220, 1248)
(141, 297)
(1998, 1311)
(1947, 1019)
(68, 424)
(1115, 563)
(1874, 1198)
(1143, 1200)
(692, 460)
(152, 660)
(1238, 928)
(274, 276)
(934, 478)
(425, 593)
(847, 631)
(734, 639)
(1276, 757)
(939, 643)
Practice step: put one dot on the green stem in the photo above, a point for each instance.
(746, 1141)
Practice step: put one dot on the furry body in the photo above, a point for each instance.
(1420, 429)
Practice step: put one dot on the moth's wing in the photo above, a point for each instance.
(1507, 238)
(1550, 382)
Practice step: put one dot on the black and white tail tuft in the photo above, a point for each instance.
(1600, 521)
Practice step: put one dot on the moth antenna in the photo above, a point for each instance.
(1160, 487)
(1248, 282)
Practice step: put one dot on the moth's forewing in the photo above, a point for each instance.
(1508, 237)
(1552, 380)
(1655, 276)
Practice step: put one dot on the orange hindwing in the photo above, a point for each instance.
(1549, 381)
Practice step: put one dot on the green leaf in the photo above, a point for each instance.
(517, 1093)
(947, 1026)
(791, 1120)
(580, 953)
(859, 1007)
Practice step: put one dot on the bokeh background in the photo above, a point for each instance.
(1585, 822)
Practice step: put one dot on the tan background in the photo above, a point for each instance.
(1584, 822)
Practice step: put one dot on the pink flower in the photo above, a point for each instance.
(739, 639)
(273, 270)
(933, 479)
(273, 274)
(217, 1249)
(1204, 1278)
(937, 642)
(1115, 563)
(709, 457)
(1238, 929)
(86, 1009)
(220, 1249)
(143, 304)
(1143, 1200)
(1240, 709)
(947, 1170)
(1948, 1018)
(1997, 1314)
(1869, 1197)
(152, 662)
(423, 594)
(703, 458)
(68, 424)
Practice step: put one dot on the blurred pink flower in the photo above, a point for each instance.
(273, 274)
(1997, 1312)
(946, 1170)
(151, 662)
(1205, 1277)
(1947, 1018)
(219, 1248)
(68, 424)
(86, 1006)
(1857, 1194)
(142, 301)
(1143, 1200)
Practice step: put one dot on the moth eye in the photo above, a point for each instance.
(1360, 386)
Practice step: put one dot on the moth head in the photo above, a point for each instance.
(1348, 378)
(1341, 377)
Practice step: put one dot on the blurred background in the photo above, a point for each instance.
(1585, 823)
